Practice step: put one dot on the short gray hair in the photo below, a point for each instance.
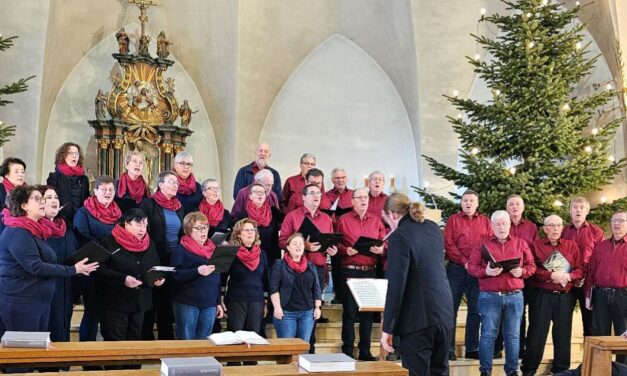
(337, 169)
(134, 153)
(376, 173)
(553, 216)
(265, 173)
(499, 214)
(206, 182)
(183, 155)
(305, 156)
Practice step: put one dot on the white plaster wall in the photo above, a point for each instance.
(74, 106)
(342, 107)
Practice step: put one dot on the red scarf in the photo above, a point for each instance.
(172, 204)
(26, 223)
(128, 241)
(298, 267)
(137, 188)
(214, 213)
(8, 186)
(251, 258)
(262, 215)
(55, 228)
(187, 186)
(205, 250)
(69, 170)
(108, 215)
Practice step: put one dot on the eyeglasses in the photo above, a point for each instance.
(312, 164)
(105, 190)
(258, 192)
(554, 225)
(618, 221)
(213, 189)
(318, 193)
(249, 230)
(360, 197)
(38, 199)
(201, 228)
(73, 154)
(171, 181)
(377, 179)
(186, 164)
(339, 177)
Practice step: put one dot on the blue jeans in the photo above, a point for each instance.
(463, 283)
(193, 322)
(295, 324)
(495, 308)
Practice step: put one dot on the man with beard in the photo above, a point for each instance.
(246, 175)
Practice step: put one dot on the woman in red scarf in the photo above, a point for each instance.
(258, 209)
(64, 244)
(189, 191)
(197, 287)
(69, 180)
(131, 187)
(295, 292)
(28, 266)
(124, 292)
(247, 286)
(13, 172)
(211, 206)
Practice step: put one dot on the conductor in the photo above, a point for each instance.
(419, 304)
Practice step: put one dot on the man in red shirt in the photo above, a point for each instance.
(313, 176)
(501, 298)
(606, 283)
(465, 231)
(340, 190)
(559, 266)
(376, 200)
(352, 225)
(294, 184)
(586, 235)
(263, 177)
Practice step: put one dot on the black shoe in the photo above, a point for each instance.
(452, 356)
(521, 353)
(529, 373)
(472, 355)
(498, 355)
(514, 373)
(486, 373)
(393, 357)
(323, 320)
(366, 357)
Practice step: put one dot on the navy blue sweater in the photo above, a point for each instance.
(61, 306)
(28, 269)
(89, 228)
(244, 285)
(190, 287)
(191, 202)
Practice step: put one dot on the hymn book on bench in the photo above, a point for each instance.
(193, 366)
(26, 339)
(326, 362)
(237, 338)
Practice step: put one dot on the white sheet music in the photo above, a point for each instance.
(369, 293)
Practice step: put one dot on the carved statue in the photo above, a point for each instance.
(122, 41)
(101, 105)
(144, 40)
(117, 79)
(186, 114)
(169, 84)
(162, 46)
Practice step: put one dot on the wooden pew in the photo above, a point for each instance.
(363, 369)
(597, 354)
(282, 350)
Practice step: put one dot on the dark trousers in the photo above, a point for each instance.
(544, 307)
(461, 284)
(85, 286)
(609, 307)
(339, 283)
(321, 271)
(586, 314)
(244, 316)
(425, 351)
(121, 326)
(351, 314)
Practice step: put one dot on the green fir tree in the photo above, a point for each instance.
(7, 131)
(533, 137)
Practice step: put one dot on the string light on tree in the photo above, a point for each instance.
(603, 199)
(497, 92)
(608, 86)
(482, 11)
(594, 131)
(578, 45)
(545, 3)
(477, 57)
(455, 93)
(459, 116)
(558, 203)
(566, 107)
(588, 149)
(611, 159)
(427, 185)
(577, 3)
(474, 151)
(531, 44)
(512, 170)
(529, 15)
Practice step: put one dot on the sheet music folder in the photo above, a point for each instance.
(93, 251)
(363, 244)
(326, 240)
(507, 265)
(223, 257)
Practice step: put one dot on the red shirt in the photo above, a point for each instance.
(292, 223)
(542, 249)
(586, 237)
(352, 227)
(608, 265)
(346, 197)
(293, 185)
(504, 282)
(463, 233)
(296, 201)
(375, 204)
(525, 230)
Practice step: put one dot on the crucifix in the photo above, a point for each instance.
(143, 5)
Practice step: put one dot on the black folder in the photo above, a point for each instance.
(219, 237)
(326, 240)
(152, 275)
(223, 257)
(363, 244)
(93, 251)
(277, 214)
(338, 212)
(507, 265)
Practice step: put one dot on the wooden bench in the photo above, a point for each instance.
(281, 350)
(363, 369)
(597, 354)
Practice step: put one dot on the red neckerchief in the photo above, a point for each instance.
(187, 186)
(204, 250)
(262, 215)
(8, 186)
(55, 228)
(298, 267)
(26, 223)
(137, 188)
(251, 258)
(214, 213)
(172, 204)
(108, 215)
(69, 170)
(129, 241)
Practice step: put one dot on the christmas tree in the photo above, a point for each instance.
(7, 131)
(533, 137)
